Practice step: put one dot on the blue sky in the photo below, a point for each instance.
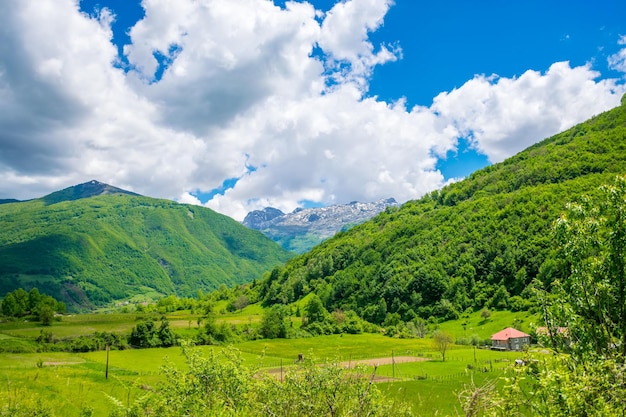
(448, 42)
(241, 104)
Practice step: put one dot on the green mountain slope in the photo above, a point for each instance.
(475, 243)
(91, 244)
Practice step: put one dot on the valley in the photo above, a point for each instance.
(537, 241)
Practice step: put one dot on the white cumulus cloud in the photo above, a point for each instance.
(273, 97)
(503, 116)
(617, 61)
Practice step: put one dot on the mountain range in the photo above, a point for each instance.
(476, 243)
(92, 243)
(302, 229)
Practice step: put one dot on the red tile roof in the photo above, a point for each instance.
(508, 333)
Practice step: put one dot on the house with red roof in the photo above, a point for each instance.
(509, 339)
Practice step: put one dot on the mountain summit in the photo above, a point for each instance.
(88, 189)
(302, 229)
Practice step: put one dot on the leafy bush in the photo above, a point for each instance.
(221, 384)
(146, 334)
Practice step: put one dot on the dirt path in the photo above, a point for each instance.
(384, 361)
(276, 372)
(60, 363)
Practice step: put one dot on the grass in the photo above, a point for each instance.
(67, 386)
(432, 387)
(69, 382)
(336, 346)
(435, 397)
(72, 326)
(86, 324)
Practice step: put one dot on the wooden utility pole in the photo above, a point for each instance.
(106, 372)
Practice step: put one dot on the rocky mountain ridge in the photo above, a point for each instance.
(303, 228)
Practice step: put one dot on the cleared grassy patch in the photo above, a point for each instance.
(340, 347)
(73, 326)
(484, 328)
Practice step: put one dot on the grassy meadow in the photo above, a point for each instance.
(70, 382)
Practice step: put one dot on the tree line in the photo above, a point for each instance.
(33, 304)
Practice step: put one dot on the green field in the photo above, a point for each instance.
(69, 382)
(484, 328)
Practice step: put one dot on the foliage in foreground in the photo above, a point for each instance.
(586, 319)
(560, 386)
(221, 385)
(30, 409)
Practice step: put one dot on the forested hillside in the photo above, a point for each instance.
(90, 251)
(476, 243)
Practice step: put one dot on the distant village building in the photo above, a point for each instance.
(509, 339)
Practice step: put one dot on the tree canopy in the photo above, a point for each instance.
(20, 303)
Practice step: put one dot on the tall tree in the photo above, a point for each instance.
(9, 305)
(315, 311)
(46, 314)
(274, 322)
(34, 298)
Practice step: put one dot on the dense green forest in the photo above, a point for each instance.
(91, 251)
(476, 243)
